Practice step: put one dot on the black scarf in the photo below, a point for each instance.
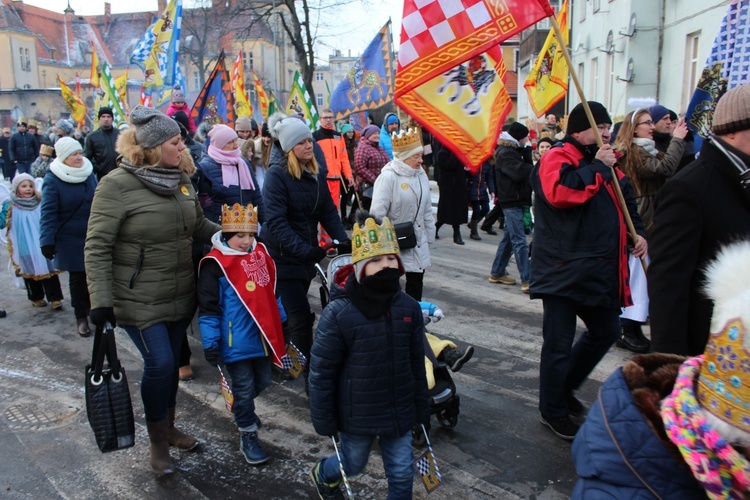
(373, 296)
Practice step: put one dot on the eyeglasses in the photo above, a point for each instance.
(649, 122)
(326, 118)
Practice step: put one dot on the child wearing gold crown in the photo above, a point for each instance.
(367, 374)
(241, 316)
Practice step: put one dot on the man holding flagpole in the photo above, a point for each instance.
(580, 261)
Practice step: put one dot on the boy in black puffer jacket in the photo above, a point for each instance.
(367, 375)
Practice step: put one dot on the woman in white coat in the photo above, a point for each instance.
(402, 193)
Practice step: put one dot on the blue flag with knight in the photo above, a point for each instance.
(369, 83)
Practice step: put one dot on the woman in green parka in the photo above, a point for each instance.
(144, 218)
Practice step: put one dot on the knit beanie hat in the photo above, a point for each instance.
(264, 130)
(391, 119)
(253, 124)
(732, 113)
(346, 128)
(18, 179)
(182, 118)
(723, 388)
(105, 110)
(152, 127)
(406, 143)
(243, 124)
(66, 146)
(657, 112)
(66, 126)
(369, 130)
(518, 131)
(178, 95)
(289, 130)
(577, 121)
(221, 135)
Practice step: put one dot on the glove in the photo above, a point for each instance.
(213, 356)
(345, 246)
(49, 251)
(438, 315)
(316, 254)
(101, 315)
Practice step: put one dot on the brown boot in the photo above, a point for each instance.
(178, 438)
(158, 434)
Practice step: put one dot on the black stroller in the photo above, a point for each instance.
(444, 402)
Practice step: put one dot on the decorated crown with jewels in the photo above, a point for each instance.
(724, 382)
(373, 240)
(406, 140)
(239, 219)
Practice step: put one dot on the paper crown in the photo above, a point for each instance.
(239, 219)
(724, 382)
(373, 240)
(407, 140)
(45, 149)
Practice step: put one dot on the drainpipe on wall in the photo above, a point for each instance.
(662, 14)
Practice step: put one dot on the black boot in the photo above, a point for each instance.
(457, 235)
(437, 228)
(454, 358)
(301, 332)
(631, 340)
(474, 235)
(488, 230)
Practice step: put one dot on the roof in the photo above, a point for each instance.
(511, 83)
(9, 19)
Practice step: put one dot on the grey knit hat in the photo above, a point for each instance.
(289, 130)
(152, 127)
(732, 113)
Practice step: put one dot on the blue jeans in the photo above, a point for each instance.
(23, 167)
(512, 236)
(564, 365)
(159, 345)
(398, 461)
(249, 378)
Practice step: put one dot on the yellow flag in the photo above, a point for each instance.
(242, 106)
(94, 77)
(547, 82)
(262, 97)
(121, 86)
(74, 103)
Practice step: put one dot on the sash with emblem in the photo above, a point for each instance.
(253, 278)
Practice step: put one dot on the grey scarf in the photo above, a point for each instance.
(25, 203)
(162, 181)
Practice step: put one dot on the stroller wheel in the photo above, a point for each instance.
(447, 421)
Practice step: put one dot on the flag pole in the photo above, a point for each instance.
(599, 141)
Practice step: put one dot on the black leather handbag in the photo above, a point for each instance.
(108, 405)
(405, 234)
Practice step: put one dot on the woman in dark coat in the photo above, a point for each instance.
(67, 193)
(453, 205)
(297, 200)
(478, 186)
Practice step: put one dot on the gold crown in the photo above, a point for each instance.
(239, 219)
(724, 381)
(373, 240)
(406, 141)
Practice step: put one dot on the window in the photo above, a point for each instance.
(248, 60)
(582, 11)
(20, 57)
(516, 59)
(609, 76)
(597, 5)
(594, 84)
(319, 99)
(318, 77)
(692, 67)
(28, 60)
(196, 80)
(580, 74)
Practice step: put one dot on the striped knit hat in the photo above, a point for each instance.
(732, 113)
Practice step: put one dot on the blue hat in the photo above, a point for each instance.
(391, 119)
(657, 112)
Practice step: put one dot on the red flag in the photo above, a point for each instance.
(436, 39)
(78, 85)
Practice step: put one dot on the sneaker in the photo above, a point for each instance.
(57, 305)
(250, 447)
(575, 407)
(525, 287)
(503, 280)
(455, 359)
(325, 490)
(562, 426)
(39, 303)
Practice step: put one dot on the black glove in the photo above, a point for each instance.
(101, 315)
(213, 356)
(49, 251)
(316, 254)
(345, 247)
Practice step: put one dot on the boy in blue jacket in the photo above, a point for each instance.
(367, 374)
(240, 317)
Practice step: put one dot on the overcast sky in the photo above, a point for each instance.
(345, 27)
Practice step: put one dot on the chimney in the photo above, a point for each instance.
(350, 52)
(162, 7)
(107, 15)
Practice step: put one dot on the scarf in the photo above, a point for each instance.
(72, 175)
(505, 136)
(648, 144)
(722, 471)
(162, 181)
(25, 203)
(374, 294)
(232, 167)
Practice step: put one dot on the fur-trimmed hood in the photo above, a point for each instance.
(130, 151)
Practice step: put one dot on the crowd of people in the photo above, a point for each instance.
(162, 219)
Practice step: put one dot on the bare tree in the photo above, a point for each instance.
(204, 27)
